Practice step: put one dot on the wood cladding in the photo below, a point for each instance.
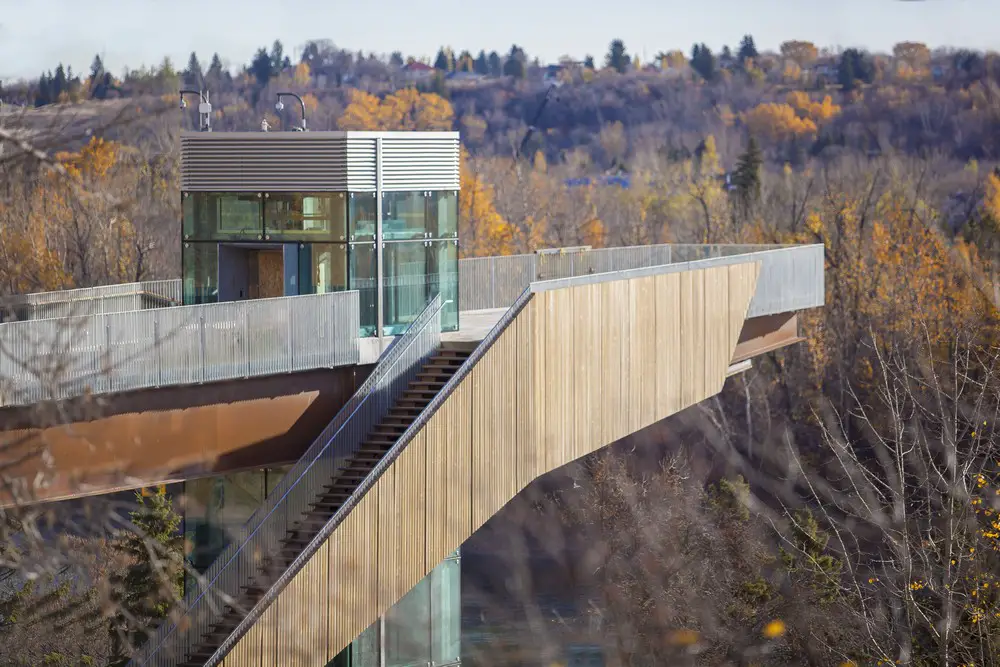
(577, 369)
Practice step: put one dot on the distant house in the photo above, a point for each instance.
(417, 71)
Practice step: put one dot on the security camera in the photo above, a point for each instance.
(280, 105)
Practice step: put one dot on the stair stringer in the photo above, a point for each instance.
(577, 368)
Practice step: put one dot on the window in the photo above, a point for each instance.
(200, 272)
(404, 216)
(322, 268)
(442, 215)
(210, 216)
(305, 217)
(362, 216)
(362, 276)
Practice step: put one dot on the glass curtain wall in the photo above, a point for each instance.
(420, 256)
(335, 234)
(423, 628)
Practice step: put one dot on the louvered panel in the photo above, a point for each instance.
(279, 162)
(419, 161)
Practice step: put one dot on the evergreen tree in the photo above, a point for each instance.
(441, 61)
(588, 62)
(748, 49)
(98, 80)
(261, 67)
(193, 74)
(215, 73)
(482, 65)
(396, 59)
(855, 65)
(155, 580)
(747, 176)
(516, 63)
(277, 57)
(703, 62)
(495, 64)
(617, 56)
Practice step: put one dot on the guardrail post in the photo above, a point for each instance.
(157, 348)
(201, 337)
(493, 282)
(107, 347)
(246, 337)
(291, 343)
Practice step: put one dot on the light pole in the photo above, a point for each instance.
(204, 108)
(279, 106)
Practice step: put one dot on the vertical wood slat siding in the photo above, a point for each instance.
(577, 369)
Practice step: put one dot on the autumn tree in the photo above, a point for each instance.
(406, 109)
(777, 122)
(802, 53)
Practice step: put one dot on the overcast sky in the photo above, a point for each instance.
(38, 34)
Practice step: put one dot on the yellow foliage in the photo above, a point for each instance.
(991, 198)
(818, 112)
(310, 102)
(801, 52)
(407, 109)
(302, 75)
(791, 73)
(777, 122)
(483, 231)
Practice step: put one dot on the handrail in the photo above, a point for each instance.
(262, 534)
(371, 478)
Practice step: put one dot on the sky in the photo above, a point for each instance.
(37, 35)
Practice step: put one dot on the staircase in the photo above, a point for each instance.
(434, 374)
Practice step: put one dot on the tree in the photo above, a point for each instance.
(155, 580)
(396, 59)
(617, 57)
(801, 53)
(855, 65)
(443, 61)
(516, 63)
(215, 72)
(777, 122)
(261, 67)
(748, 50)
(747, 176)
(495, 64)
(406, 109)
(703, 62)
(482, 65)
(588, 61)
(192, 74)
(278, 59)
(465, 63)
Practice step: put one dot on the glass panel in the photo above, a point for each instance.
(403, 216)
(362, 276)
(407, 629)
(322, 268)
(442, 215)
(446, 611)
(306, 217)
(273, 476)
(211, 216)
(406, 284)
(361, 216)
(364, 650)
(200, 269)
(443, 275)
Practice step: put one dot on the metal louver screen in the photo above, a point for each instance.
(279, 162)
(419, 163)
(318, 161)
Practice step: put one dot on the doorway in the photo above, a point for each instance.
(250, 271)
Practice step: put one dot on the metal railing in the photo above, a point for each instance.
(91, 300)
(261, 537)
(495, 282)
(61, 358)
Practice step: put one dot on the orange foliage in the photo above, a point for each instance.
(777, 122)
(802, 53)
(991, 199)
(407, 109)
